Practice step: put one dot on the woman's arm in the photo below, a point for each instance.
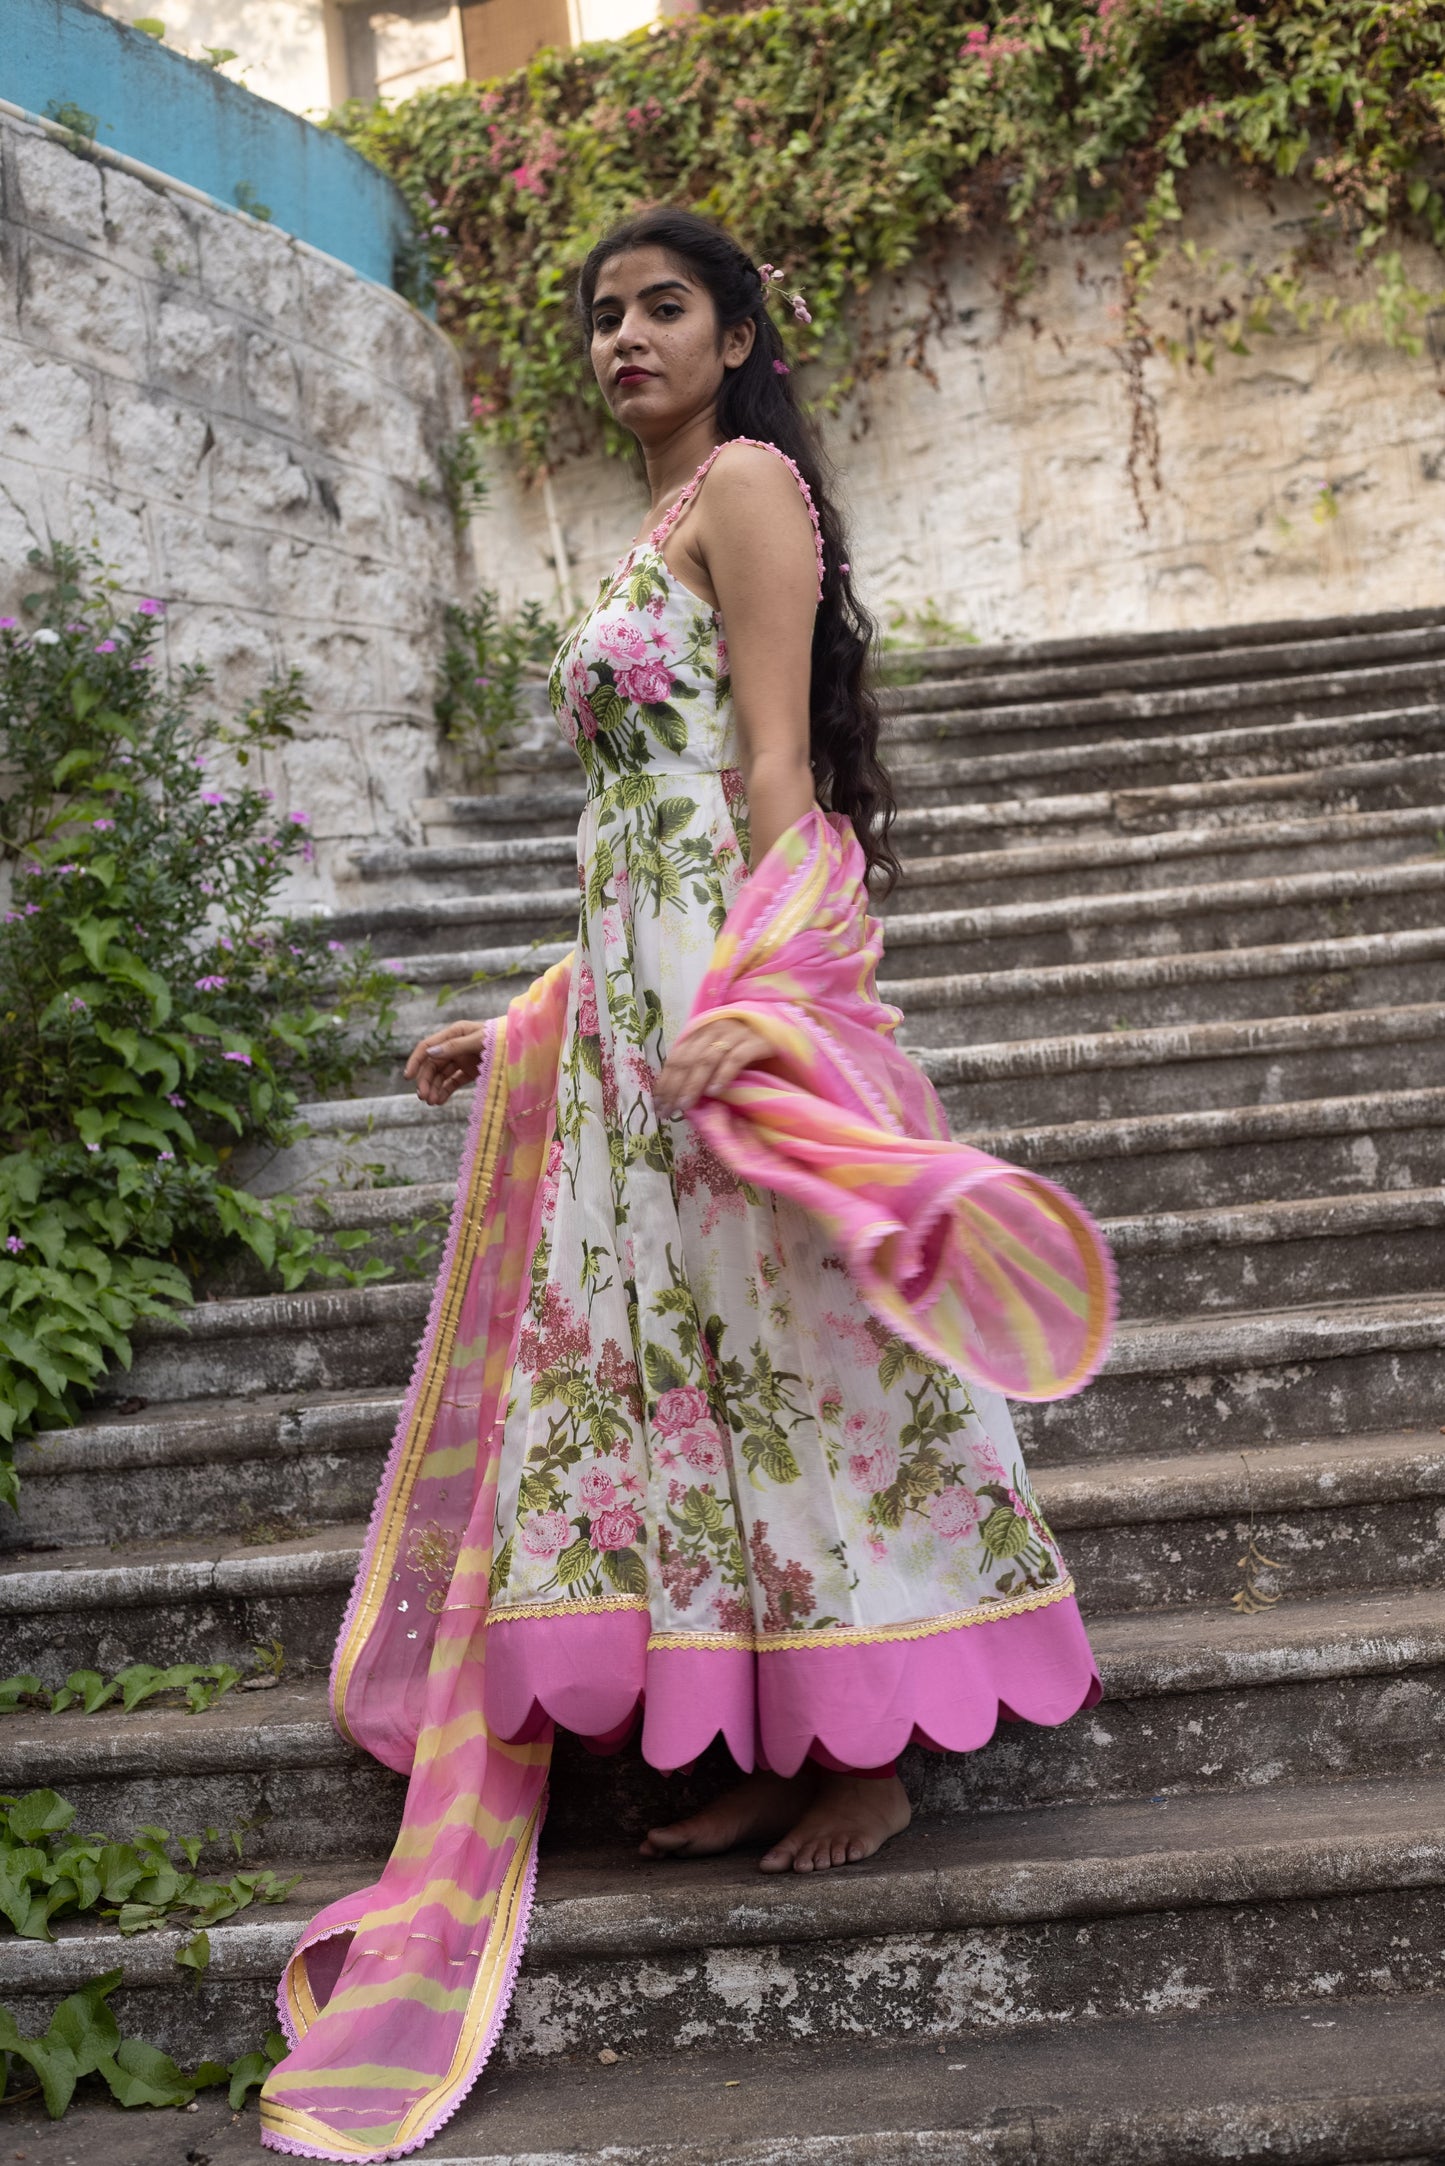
(751, 539)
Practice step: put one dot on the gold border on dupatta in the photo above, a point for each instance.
(429, 1396)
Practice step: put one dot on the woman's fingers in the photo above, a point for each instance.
(445, 1059)
(705, 1063)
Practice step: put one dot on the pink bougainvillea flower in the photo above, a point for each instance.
(299, 819)
(105, 646)
(8, 624)
(150, 607)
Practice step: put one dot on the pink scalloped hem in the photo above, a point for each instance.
(853, 1706)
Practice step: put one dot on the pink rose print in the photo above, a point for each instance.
(587, 1021)
(722, 655)
(989, 1464)
(546, 1534)
(647, 684)
(597, 1492)
(872, 1471)
(861, 1430)
(551, 1180)
(830, 1403)
(702, 1448)
(578, 686)
(682, 1408)
(620, 643)
(954, 1512)
(616, 1529)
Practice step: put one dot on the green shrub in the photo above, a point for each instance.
(484, 662)
(158, 1007)
(852, 140)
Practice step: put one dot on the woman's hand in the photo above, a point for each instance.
(705, 1062)
(445, 1059)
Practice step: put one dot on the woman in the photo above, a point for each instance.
(731, 1492)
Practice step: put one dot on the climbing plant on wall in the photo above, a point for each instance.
(856, 139)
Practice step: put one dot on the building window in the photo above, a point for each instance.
(400, 47)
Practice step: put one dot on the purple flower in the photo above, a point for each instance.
(104, 826)
(210, 984)
(484, 681)
(299, 819)
(174, 1098)
(92, 1146)
(75, 627)
(243, 1058)
(143, 663)
(8, 624)
(77, 1005)
(335, 947)
(207, 888)
(212, 797)
(34, 872)
(267, 796)
(11, 916)
(223, 942)
(291, 949)
(15, 1245)
(780, 368)
(167, 1154)
(150, 609)
(32, 910)
(105, 646)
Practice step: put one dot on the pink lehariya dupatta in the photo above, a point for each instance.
(394, 1997)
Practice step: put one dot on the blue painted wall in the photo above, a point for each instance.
(187, 120)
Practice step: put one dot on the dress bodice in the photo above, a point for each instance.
(642, 682)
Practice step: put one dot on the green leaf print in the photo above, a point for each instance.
(591, 1052)
(607, 706)
(575, 1562)
(643, 585)
(663, 1372)
(626, 1571)
(634, 791)
(672, 817)
(702, 1512)
(602, 869)
(501, 1569)
(767, 1453)
(665, 723)
(893, 1364)
(1004, 1534)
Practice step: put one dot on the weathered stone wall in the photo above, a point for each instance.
(248, 430)
(1306, 478)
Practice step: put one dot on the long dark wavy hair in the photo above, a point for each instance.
(757, 400)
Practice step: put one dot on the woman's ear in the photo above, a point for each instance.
(737, 343)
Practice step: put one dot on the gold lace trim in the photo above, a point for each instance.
(776, 1643)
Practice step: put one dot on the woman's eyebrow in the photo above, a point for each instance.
(645, 293)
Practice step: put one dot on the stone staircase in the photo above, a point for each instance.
(1173, 931)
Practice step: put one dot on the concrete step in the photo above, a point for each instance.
(1278, 1254)
(1198, 1699)
(186, 1599)
(1100, 744)
(1224, 1155)
(1314, 2085)
(1211, 1383)
(1348, 786)
(1034, 871)
(1214, 984)
(353, 1144)
(1182, 855)
(422, 934)
(186, 1468)
(960, 676)
(1177, 1069)
(1055, 1915)
(349, 1339)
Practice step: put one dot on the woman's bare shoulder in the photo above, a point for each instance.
(751, 486)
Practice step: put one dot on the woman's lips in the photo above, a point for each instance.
(633, 376)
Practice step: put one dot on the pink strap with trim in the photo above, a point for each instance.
(666, 524)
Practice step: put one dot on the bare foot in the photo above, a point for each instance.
(849, 1818)
(754, 1810)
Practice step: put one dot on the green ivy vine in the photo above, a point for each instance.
(853, 140)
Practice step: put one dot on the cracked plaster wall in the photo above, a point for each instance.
(1306, 479)
(249, 430)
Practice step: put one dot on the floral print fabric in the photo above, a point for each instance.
(706, 1422)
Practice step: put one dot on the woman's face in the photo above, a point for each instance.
(655, 346)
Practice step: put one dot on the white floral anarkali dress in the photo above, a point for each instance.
(727, 1493)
